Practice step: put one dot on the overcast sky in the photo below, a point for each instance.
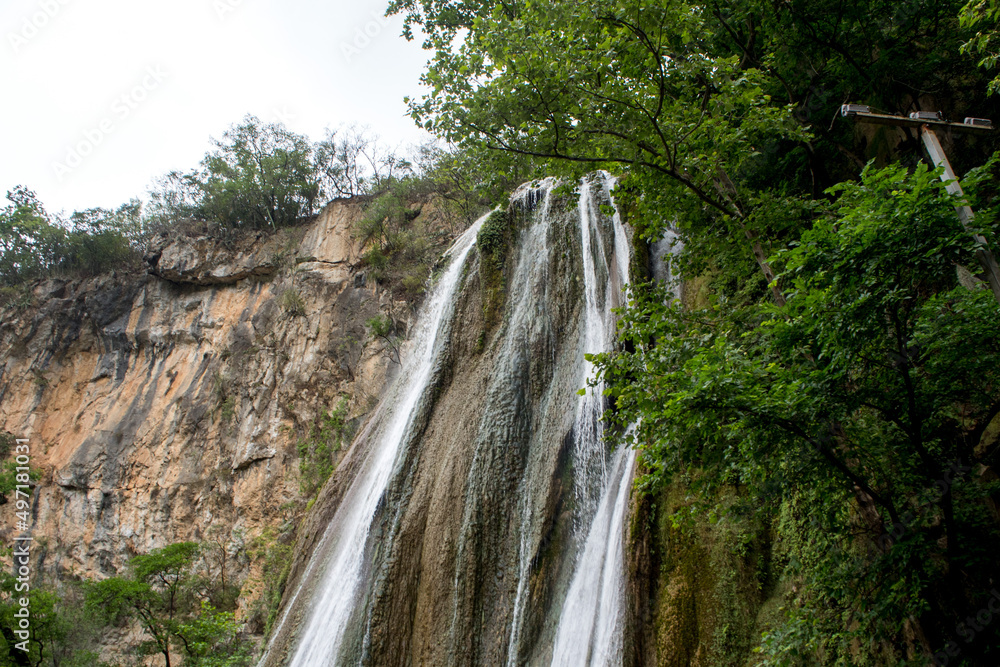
(101, 96)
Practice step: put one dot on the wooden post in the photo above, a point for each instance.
(965, 214)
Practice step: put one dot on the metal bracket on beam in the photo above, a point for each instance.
(927, 122)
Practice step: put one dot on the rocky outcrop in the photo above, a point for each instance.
(167, 407)
(198, 258)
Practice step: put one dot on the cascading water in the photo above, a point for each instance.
(483, 516)
(336, 567)
(589, 629)
(592, 613)
(590, 626)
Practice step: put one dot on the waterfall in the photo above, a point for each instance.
(336, 570)
(484, 511)
(527, 199)
(592, 619)
(590, 624)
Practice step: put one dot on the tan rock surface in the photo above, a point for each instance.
(168, 408)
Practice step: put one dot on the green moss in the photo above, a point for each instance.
(274, 552)
(494, 236)
(318, 451)
(292, 303)
(493, 242)
(715, 579)
(227, 408)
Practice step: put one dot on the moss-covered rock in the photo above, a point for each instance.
(493, 242)
(712, 583)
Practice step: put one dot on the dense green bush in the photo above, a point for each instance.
(263, 175)
(854, 417)
(318, 451)
(33, 244)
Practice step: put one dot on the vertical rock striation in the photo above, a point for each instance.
(167, 407)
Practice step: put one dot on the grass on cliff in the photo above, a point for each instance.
(318, 450)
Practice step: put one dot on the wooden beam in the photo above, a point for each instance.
(965, 214)
(902, 121)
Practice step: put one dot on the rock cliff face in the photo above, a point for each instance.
(168, 407)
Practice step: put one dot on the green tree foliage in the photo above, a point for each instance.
(383, 328)
(839, 404)
(212, 639)
(594, 84)
(60, 633)
(104, 239)
(157, 594)
(29, 243)
(984, 17)
(411, 219)
(167, 597)
(10, 478)
(856, 413)
(465, 184)
(274, 552)
(263, 175)
(718, 117)
(259, 175)
(33, 244)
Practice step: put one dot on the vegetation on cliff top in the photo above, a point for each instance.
(262, 176)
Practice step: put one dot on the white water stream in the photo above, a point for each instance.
(591, 620)
(590, 624)
(335, 574)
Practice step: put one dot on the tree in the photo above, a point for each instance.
(33, 244)
(259, 175)
(354, 162)
(58, 633)
(984, 16)
(212, 639)
(158, 594)
(623, 85)
(174, 196)
(103, 239)
(717, 117)
(467, 186)
(29, 243)
(166, 595)
(262, 175)
(856, 413)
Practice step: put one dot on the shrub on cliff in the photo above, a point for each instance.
(318, 451)
(170, 601)
(412, 218)
(264, 176)
(34, 244)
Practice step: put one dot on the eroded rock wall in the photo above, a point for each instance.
(167, 407)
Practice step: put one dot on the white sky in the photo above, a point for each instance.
(140, 85)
